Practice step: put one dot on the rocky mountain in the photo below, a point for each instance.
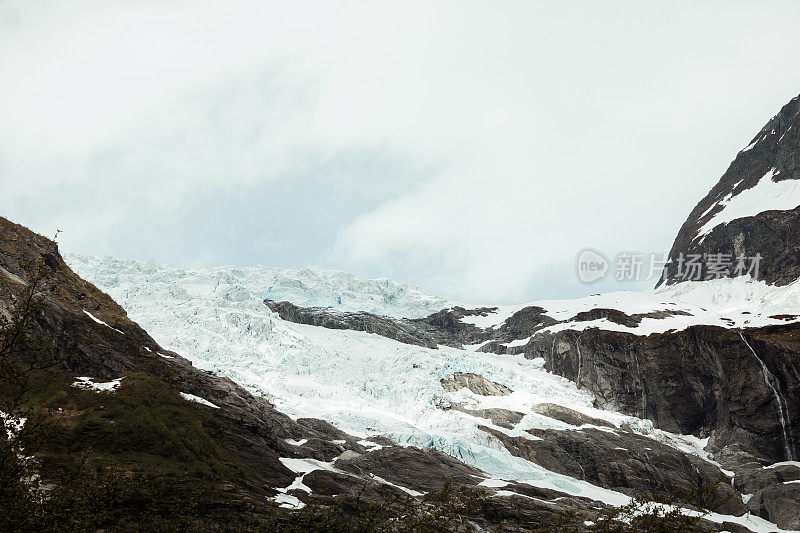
(753, 210)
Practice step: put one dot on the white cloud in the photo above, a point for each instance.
(525, 130)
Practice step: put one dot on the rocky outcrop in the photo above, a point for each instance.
(778, 503)
(411, 468)
(477, 384)
(504, 418)
(569, 416)
(520, 325)
(444, 327)
(627, 463)
(757, 479)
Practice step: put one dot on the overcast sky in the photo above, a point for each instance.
(470, 148)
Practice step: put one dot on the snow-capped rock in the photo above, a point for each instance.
(753, 209)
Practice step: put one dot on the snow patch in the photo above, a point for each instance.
(198, 399)
(493, 483)
(88, 383)
(766, 195)
(751, 145)
(97, 320)
(369, 445)
(287, 501)
(12, 277)
(408, 491)
(518, 342)
(304, 466)
(11, 424)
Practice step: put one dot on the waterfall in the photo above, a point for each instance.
(641, 382)
(580, 360)
(771, 380)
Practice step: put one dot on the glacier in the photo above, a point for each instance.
(364, 384)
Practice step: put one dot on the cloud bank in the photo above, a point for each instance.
(471, 149)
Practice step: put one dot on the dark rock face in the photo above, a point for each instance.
(411, 468)
(760, 478)
(707, 381)
(703, 380)
(618, 317)
(522, 324)
(773, 234)
(500, 417)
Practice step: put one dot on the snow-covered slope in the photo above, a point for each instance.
(362, 383)
(766, 195)
(726, 302)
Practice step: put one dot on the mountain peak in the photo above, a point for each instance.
(747, 223)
